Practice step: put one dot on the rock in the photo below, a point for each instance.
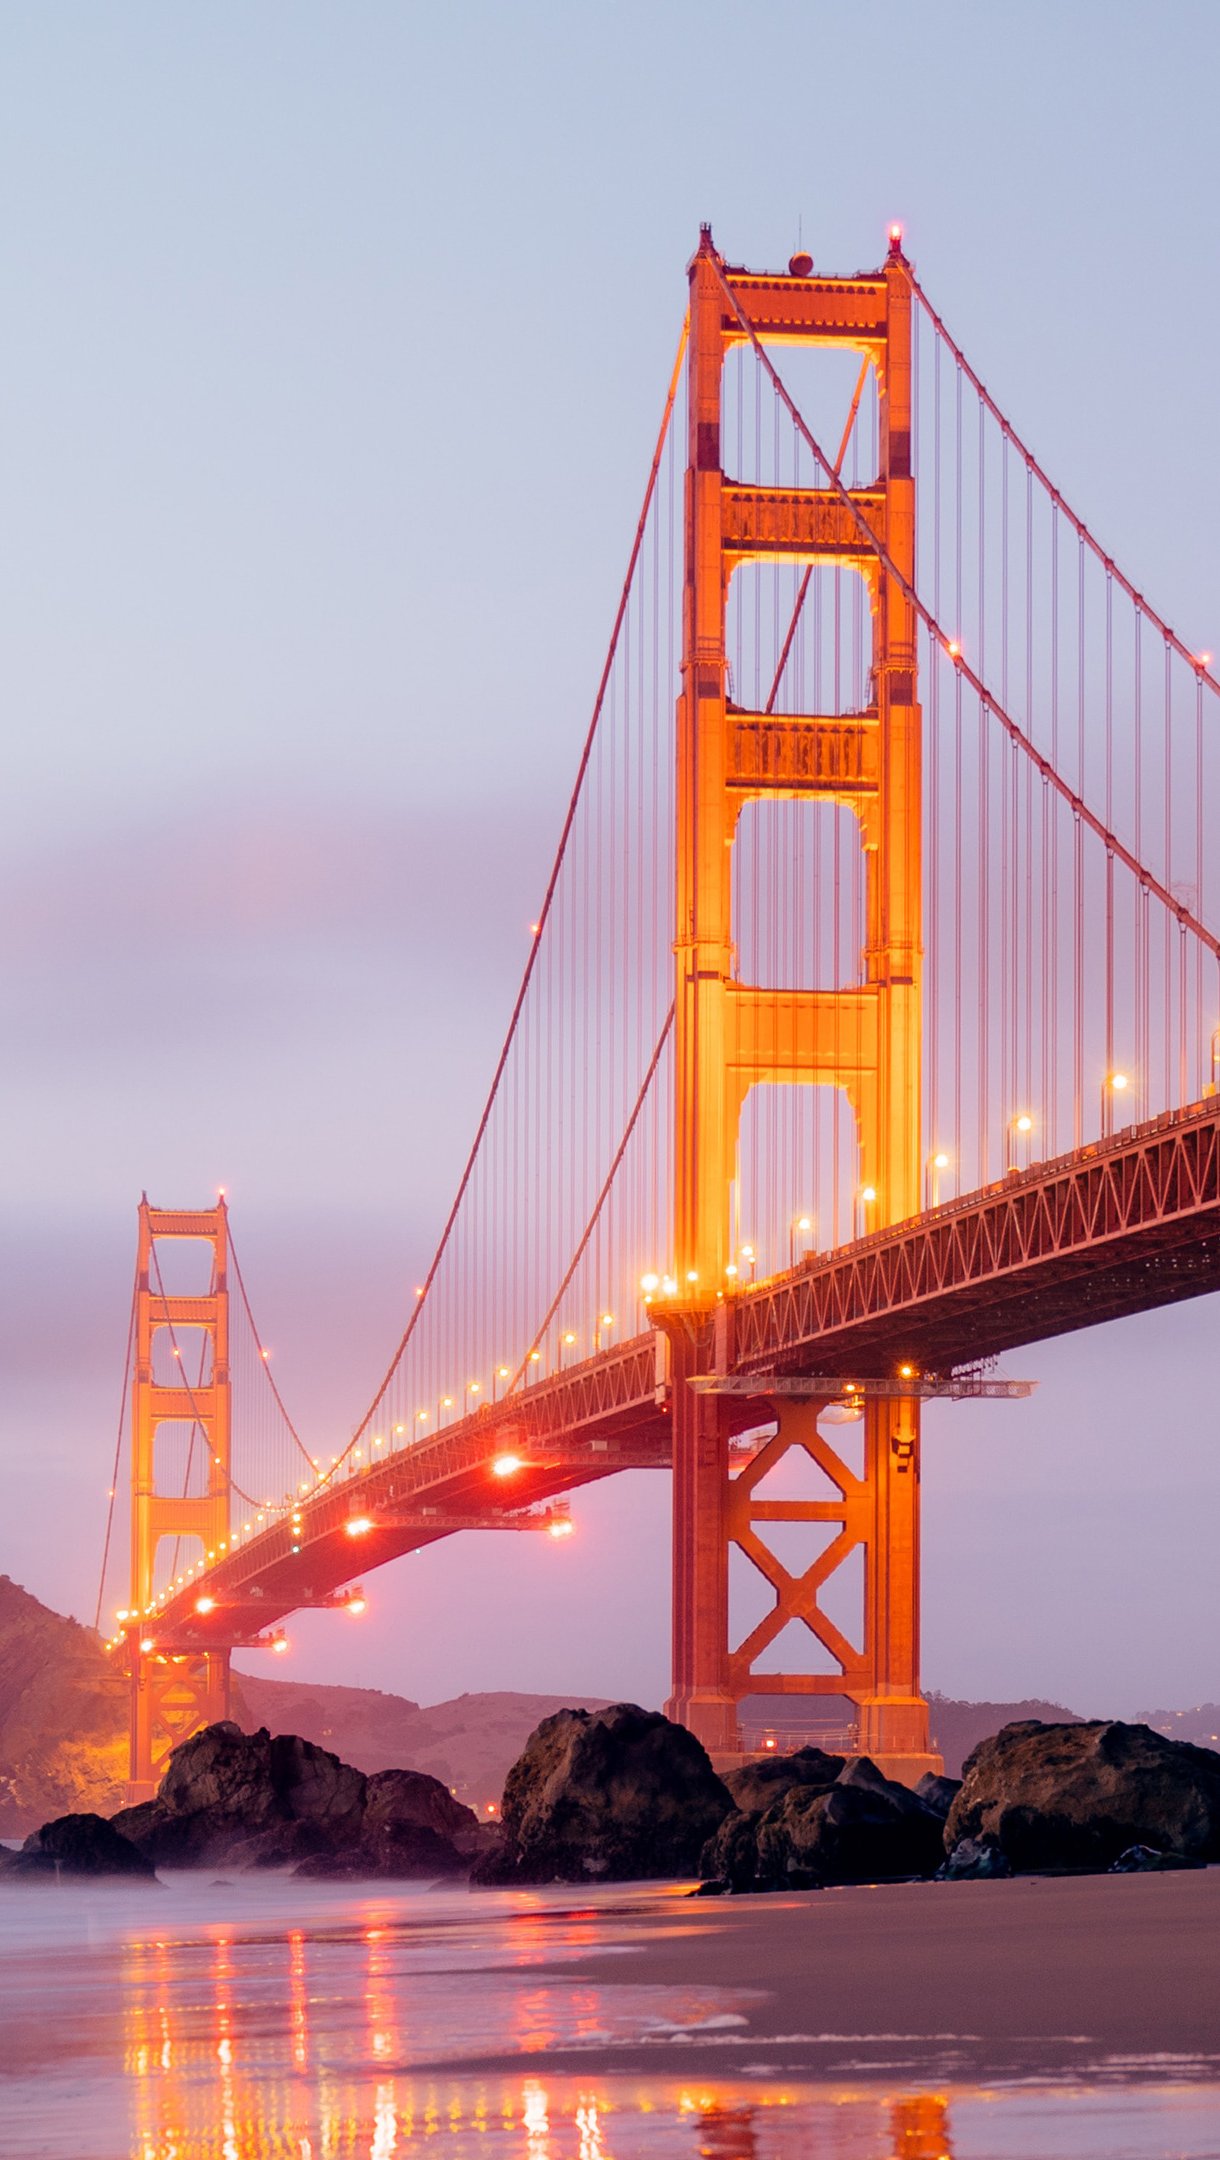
(611, 1795)
(730, 1856)
(412, 1797)
(249, 1800)
(972, 1859)
(405, 1852)
(757, 1785)
(1144, 1860)
(78, 1845)
(865, 1828)
(938, 1793)
(857, 1827)
(1077, 1796)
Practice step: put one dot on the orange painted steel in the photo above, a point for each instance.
(172, 1695)
(733, 1036)
(1123, 1226)
(1127, 1225)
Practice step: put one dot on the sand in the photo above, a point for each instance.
(1036, 1977)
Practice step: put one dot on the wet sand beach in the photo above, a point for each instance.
(261, 2018)
(1034, 1977)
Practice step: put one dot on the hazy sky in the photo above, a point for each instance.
(334, 341)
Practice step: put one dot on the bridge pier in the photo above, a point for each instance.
(702, 1698)
(869, 1657)
(893, 1724)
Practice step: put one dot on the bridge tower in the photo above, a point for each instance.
(732, 1036)
(173, 1696)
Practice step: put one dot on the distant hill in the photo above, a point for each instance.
(469, 1743)
(1201, 1726)
(63, 1722)
(63, 1716)
(956, 1727)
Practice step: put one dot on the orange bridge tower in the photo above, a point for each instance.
(733, 1036)
(172, 1695)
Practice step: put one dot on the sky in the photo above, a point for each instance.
(335, 339)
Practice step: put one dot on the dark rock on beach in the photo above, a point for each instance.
(973, 1859)
(757, 1785)
(612, 1795)
(865, 1828)
(1144, 1860)
(77, 1845)
(938, 1793)
(838, 1822)
(1078, 1796)
(249, 1800)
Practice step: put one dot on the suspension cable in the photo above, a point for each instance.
(264, 1355)
(601, 1200)
(950, 647)
(798, 607)
(118, 1447)
(543, 913)
(189, 1391)
(1075, 521)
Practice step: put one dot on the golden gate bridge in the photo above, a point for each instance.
(869, 1029)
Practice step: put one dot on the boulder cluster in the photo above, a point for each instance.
(622, 1794)
(1036, 1798)
(241, 1800)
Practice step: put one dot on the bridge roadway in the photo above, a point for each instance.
(1120, 1227)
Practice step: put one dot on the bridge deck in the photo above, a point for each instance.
(1125, 1226)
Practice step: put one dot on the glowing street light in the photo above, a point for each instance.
(748, 1254)
(866, 1200)
(800, 1225)
(1115, 1083)
(358, 1525)
(506, 1466)
(935, 1164)
(355, 1602)
(205, 1604)
(1019, 1129)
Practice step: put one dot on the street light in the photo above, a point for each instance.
(1016, 1132)
(866, 1199)
(933, 1167)
(802, 1224)
(1115, 1083)
(747, 1253)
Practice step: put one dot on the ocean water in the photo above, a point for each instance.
(259, 2019)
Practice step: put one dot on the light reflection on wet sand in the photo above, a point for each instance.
(321, 2029)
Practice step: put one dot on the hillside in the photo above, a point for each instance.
(1200, 1726)
(469, 1743)
(63, 1722)
(959, 1726)
(63, 1716)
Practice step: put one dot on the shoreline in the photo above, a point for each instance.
(1055, 1979)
